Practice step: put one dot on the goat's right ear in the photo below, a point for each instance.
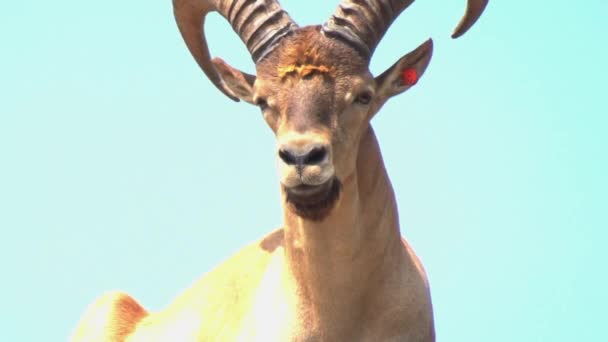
(238, 82)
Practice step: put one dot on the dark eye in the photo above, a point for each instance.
(363, 98)
(262, 103)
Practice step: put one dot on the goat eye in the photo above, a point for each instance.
(262, 103)
(363, 98)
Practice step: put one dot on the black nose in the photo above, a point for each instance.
(313, 157)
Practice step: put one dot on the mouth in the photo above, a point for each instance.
(310, 193)
(313, 202)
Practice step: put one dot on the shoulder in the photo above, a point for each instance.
(415, 262)
(251, 260)
(234, 278)
(112, 317)
(220, 299)
(418, 307)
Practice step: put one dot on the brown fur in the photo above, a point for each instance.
(307, 51)
(338, 272)
(347, 278)
(112, 317)
(320, 208)
(304, 56)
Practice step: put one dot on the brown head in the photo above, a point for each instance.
(312, 84)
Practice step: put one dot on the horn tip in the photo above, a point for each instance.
(474, 10)
(457, 34)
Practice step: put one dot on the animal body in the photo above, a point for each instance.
(338, 269)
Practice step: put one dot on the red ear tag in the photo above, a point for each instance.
(409, 77)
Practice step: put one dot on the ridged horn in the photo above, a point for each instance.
(363, 23)
(259, 23)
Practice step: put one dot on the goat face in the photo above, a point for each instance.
(312, 84)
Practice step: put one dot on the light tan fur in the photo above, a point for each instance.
(342, 275)
(348, 278)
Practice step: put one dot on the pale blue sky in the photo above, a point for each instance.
(121, 167)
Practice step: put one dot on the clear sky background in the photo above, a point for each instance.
(122, 167)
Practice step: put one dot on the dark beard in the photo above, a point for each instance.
(315, 207)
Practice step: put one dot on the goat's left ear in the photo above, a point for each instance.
(239, 83)
(403, 74)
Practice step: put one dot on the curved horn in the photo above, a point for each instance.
(473, 12)
(363, 23)
(259, 23)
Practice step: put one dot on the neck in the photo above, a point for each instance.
(337, 263)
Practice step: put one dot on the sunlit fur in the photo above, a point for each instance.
(303, 70)
(338, 272)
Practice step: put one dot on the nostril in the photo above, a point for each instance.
(315, 156)
(287, 157)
